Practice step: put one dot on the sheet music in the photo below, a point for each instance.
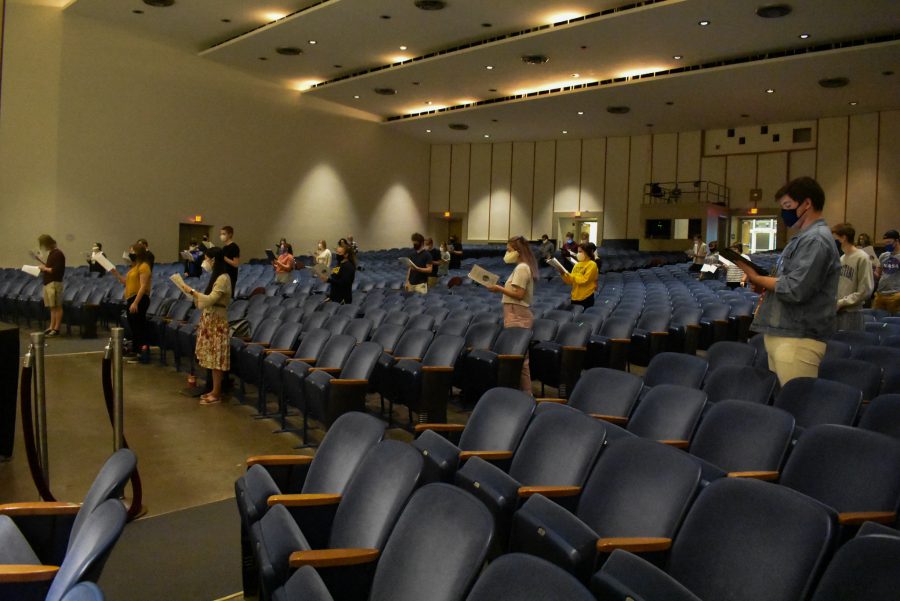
(482, 276)
(406, 262)
(186, 255)
(179, 281)
(105, 263)
(557, 264)
(320, 269)
(709, 268)
(32, 270)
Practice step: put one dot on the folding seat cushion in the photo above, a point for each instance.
(559, 362)
(727, 352)
(608, 348)
(329, 396)
(607, 394)
(883, 415)
(521, 577)
(668, 413)
(741, 383)
(742, 540)
(499, 366)
(863, 568)
(860, 374)
(675, 368)
(888, 359)
(815, 401)
(650, 335)
(424, 386)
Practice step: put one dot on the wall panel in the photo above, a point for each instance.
(690, 147)
(522, 189)
(862, 172)
(615, 210)
(638, 175)
(501, 180)
(439, 182)
(831, 165)
(887, 214)
(544, 176)
(801, 163)
(568, 176)
(771, 175)
(740, 177)
(712, 169)
(479, 192)
(593, 175)
(665, 158)
(459, 177)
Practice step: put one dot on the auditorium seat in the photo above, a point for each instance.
(883, 415)
(684, 330)
(521, 577)
(499, 366)
(864, 568)
(248, 364)
(727, 352)
(360, 328)
(387, 336)
(424, 386)
(814, 401)
(668, 413)
(649, 336)
(413, 344)
(607, 394)
(675, 368)
(742, 383)
(609, 347)
(558, 363)
(888, 359)
(83, 591)
(862, 375)
(273, 365)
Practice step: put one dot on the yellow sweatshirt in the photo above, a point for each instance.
(583, 279)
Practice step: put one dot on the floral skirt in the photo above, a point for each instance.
(213, 342)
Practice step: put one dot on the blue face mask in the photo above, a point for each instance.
(889, 247)
(569, 240)
(790, 217)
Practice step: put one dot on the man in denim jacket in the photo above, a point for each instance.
(798, 313)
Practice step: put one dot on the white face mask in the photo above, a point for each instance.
(207, 266)
(94, 249)
(581, 257)
(511, 256)
(223, 237)
(125, 256)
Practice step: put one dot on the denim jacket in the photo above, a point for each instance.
(802, 304)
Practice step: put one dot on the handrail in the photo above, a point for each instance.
(38, 474)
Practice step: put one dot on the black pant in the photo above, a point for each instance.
(695, 267)
(733, 285)
(140, 327)
(586, 303)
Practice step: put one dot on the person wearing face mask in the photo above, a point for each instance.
(418, 272)
(284, 263)
(435, 262)
(342, 276)
(444, 267)
(138, 285)
(213, 348)
(151, 258)
(231, 254)
(697, 253)
(546, 249)
(456, 252)
(887, 296)
(323, 255)
(856, 283)
(797, 312)
(518, 293)
(569, 250)
(94, 266)
(53, 268)
(584, 275)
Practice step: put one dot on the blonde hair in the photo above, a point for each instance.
(520, 244)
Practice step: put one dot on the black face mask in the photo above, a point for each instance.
(416, 246)
(839, 249)
(132, 257)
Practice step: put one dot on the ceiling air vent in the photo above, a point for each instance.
(773, 11)
(385, 91)
(617, 110)
(535, 59)
(288, 50)
(159, 3)
(834, 82)
(458, 126)
(431, 4)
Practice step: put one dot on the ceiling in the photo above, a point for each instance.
(601, 53)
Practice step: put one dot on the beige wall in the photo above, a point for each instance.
(105, 136)
(855, 158)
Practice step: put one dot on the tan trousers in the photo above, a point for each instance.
(793, 358)
(517, 316)
(887, 302)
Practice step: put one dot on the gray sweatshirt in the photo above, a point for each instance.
(856, 283)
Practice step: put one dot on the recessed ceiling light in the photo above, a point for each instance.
(428, 102)
(576, 75)
(263, 58)
(803, 36)
(458, 126)
(159, 3)
(535, 59)
(385, 91)
(138, 11)
(312, 42)
(487, 135)
(356, 96)
(649, 124)
(338, 66)
(580, 112)
(565, 131)
(669, 103)
(887, 73)
(487, 25)
(493, 121)
(427, 131)
(678, 57)
(770, 91)
(617, 110)
(226, 20)
(853, 103)
(415, 83)
(385, 17)
(492, 89)
(430, 4)
(489, 67)
(702, 23)
(288, 50)
(834, 82)
(402, 47)
(745, 116)
(773, 11)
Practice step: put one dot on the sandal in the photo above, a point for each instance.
(210, 401)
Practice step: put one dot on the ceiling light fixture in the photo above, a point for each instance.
(834, 82)
(773, 11)
(263, 58)
(385, 17)
(678, 57)
(486, 25)
(702, 23)
(565, 131)
(356, 96)
(288, 50)
(428, 102)
(576, 75)
(273, 16)
(617, 110)
(159, 3)
(385, 91)
(226, 20)
(427, 131)
(138, 11)
(489, 67)
(770, 91)
(402, 47)
(312, 42)
(430, 4)
(535, 59)
(580, 112)
(853, 103)
(803, 36)
(458, 126)
(487, 135)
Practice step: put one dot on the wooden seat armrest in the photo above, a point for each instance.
(167, 319)
(550, 400)
(15, 573)
(328, 558)
(279, 460)
(39, 508)
(246, 339)
(327, 370)
(659, 333)
(437, 369)
(619, 420)
(575, 348)
(854, 518)
(440, 427)
(756, 475)
(549, 491)
(486, 455)
(678, 444)
(633, 544)
(307, 500)
(408, 358)
(349, 382)
(283, 351)
(510, 357)
(308, 360)
(692, 326)
(622, 340)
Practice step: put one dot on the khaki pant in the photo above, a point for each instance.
(53, 294)
(432, 282)
(793, 358)
(887, 302)
(418, 288)
(518, 316)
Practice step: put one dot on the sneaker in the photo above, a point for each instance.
(51, 333)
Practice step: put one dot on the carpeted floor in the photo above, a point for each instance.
(186, 555)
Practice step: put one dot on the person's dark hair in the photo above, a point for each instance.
(418, 240)
(228, 230)
(144, 242)
(545, 237)
(98, 245)
(846, 230)
(214, 253)
(525, 255)
(802, 188)
(349, 254)
(429, 241)
(47, 241)
(589, 249)
(738, 247)
(140, 253)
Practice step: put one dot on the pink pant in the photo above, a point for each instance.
(517, 316)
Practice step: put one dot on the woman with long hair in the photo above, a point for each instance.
(342, 276)
(213, 336)
(518, 293)
(584, 276)
(138, 283)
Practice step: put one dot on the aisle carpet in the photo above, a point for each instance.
(190, 555)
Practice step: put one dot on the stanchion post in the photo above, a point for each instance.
(40, 403)
(116, 341)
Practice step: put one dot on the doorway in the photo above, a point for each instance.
(188, 232)
(759, 235)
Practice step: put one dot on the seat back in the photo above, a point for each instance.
(375, 496)
(846, 468)
(480, 335)
(617, 327)
(738, 436)
(444, 350)
(543, 330)
(314, 321)
(814, 401)
(423, 321)
(726, 352)
(883, 415)
(359, 328)
(653, 321)
(361, 362)
(888, 359)
(522, 577)
(438, 516)
(387, 335)
(336, 351)
(109, 484)
(573, 334)
(84, 591)
(413, 343)
(312, 344)
(512, 341)
(336, 324)
(740, 382)
(746, 540)
(558, 449)
(286, 335)
(606, 392)
(668, 412)
(860, 374)
(266, 330)
(453, 327)
(675, 368)
(864, 568)
(498, 420)
(345, 445)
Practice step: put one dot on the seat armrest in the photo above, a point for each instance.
(440, 427)
(283, 351)
(551, 400)
(279, 460)
(678, 444)
(621, 340)
(756, 475)
(575, 348)
(618, 420)
(17, 573)
(327, 370)
(510, 357)
(858, 517)
(255, 343)
(437, 369)
(549, 491)
(407, 358)
(328, 558)
(305, 500)
(349, 382)
(486, 455)
(14, 510)
(310, 360)
(633, 544)
(660, 334)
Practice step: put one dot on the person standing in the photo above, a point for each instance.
(420, 269)
(231, 254)
(797, 312)
(546, 249)
(94, 266)
(54, 269)
(711, 261)
(213, 336)
(435, 262)
(584, 276)
(697, 254)
(518, 293)
(456, 252)
(323, 255)
(342, 276)
(856, 283)
(887, 297)
(569, 248)
(283, 264)
(137, 299)
(151, 258)
(444, 267)
(734, 275)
